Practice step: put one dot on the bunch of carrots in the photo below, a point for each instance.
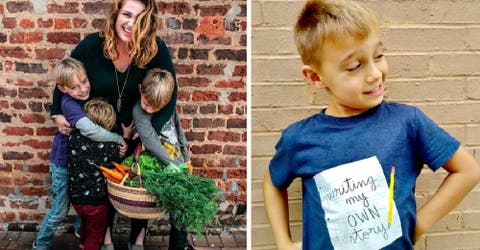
(116, 174)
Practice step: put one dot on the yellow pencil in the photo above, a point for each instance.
(390, 200)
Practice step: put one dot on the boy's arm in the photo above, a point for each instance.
(74, 114)
(464, 174)
(56, 113)
(95, 132)
(182, 140)
(276, 206)
(149, 136)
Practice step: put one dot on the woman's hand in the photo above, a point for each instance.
(62, 124)
(128, 130)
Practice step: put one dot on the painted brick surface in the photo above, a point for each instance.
(432, 48)
(207, 41)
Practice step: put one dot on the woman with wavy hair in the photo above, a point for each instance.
(116, 60)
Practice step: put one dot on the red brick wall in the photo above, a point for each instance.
(207, 40)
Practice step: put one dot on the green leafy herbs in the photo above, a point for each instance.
(146, 161)
(190, 199)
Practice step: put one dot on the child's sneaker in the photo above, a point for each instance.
(36, 247)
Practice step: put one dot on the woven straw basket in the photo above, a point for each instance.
(132, 202)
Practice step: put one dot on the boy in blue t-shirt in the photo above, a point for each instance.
(360, 157)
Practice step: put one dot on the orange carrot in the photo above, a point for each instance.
(113, 173)
(109, 177)
(121, 168)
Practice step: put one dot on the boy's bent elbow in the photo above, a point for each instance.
(476, 175)
(463, 162)
(473, 168)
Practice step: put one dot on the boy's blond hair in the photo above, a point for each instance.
(157, 87)
(66, 70)
(327, 20)
(100, 112)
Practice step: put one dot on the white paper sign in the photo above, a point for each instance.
(355, 198)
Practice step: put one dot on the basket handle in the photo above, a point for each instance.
(124, 178)
(135, 163)
(136, 156)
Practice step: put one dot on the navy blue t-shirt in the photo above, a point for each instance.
(345, 165)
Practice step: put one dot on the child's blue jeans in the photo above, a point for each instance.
(60, 206)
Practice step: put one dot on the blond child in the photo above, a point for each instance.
(72, 80)
(360, 157)
(166, 142)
